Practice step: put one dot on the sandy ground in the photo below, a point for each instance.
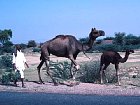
(82, 88)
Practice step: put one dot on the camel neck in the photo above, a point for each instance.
(87, 46)
(125, 58)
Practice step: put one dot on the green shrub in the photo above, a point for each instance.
(60, 70)
(4, 50)
(11, 76)
(23, 46)
(107, 47)
(8, 77)
(125, 47)
(36, 49)
(32, 43)
(89, 73)
(6, 61)
(6, 68)
(113, 47)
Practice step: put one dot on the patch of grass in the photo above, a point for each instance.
(8, 77)
(89, 73)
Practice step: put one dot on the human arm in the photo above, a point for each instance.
(26, 64)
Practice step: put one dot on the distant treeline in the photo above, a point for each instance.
(119, 42)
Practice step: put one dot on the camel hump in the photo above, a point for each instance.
(61, 36)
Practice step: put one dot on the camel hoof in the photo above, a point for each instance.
(41, 82)
(77, 67)
(55, 84)
(101, 83)
(119, 84)
(73, 83)
(73, 78)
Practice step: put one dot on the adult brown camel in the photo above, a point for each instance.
(114, 58)
(65, 46)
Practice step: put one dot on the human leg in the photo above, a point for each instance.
(22, 77)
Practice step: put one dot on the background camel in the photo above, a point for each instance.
(114, 58)
(65, 46)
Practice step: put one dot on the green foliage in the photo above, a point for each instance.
(89, 72)
(36, 49)
(6, 78)
(119, 38)
(10, 76)
(7, 47)
(8, 44)
(132, 40)
(32, 43)
(126, 47)
(6, 61)
(7, 50)
(121, 42)
(114, 47)
(23, 46)
(6, 64)
(5, 35)
(107, 47)
(61, 70)
(109, 38)
(84, 40)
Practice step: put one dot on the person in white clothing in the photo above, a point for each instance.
(19, 63)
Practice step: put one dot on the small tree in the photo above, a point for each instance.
(119, 38)
(32, 43)
(132, 40)
(8, 44)
(23, 46)
(7, 47)
(5, 35)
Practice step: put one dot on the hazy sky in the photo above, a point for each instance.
(42, 20)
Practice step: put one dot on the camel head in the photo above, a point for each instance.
(129, 51)
(96, 33)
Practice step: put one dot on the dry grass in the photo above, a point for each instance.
(33, 61)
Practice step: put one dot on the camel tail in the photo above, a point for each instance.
(85, 54)
(41, 57)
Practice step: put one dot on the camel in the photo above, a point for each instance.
(65, 46)
(114, 58)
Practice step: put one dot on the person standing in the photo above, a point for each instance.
(19, 62)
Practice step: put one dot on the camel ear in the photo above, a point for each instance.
(93, 29)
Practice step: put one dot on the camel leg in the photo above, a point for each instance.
(38, 68)
(103, 72)
(106, 65)
(76, 66)
(48, 72)
(71, 72)
(117, 68)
